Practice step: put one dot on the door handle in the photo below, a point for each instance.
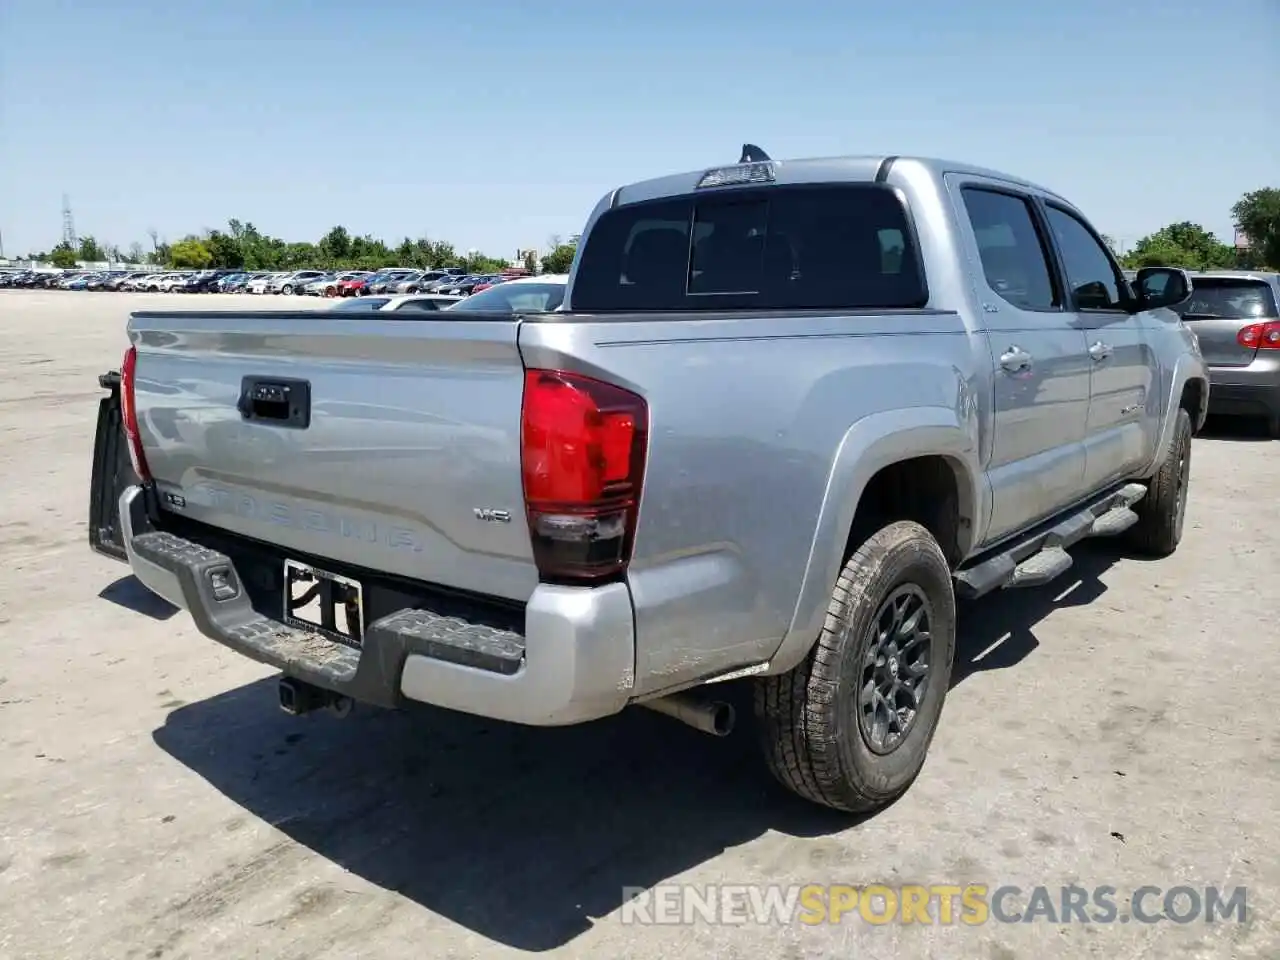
(1015, 359)
(1100, 351)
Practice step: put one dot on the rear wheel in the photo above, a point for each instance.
(1162, 512)
(850, 726)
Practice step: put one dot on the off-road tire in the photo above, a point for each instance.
(1163, 509)
(808, 718)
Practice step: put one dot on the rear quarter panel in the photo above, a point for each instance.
(762, 429)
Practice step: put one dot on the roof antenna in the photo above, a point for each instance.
(752, 154)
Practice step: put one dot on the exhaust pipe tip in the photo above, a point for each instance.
(715, 717)
(723, 717)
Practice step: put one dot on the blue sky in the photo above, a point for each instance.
(497, 124)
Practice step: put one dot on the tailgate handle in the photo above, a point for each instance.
(284, 403)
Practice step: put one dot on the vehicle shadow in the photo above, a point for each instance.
(996, 631)
(129, 592)
(524, 835)
(1221, 427)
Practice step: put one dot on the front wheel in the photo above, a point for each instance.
(850, 726)
(1162, 511)
(287, 289)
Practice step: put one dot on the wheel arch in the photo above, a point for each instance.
(919, 463)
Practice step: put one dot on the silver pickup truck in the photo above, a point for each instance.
(786, 413)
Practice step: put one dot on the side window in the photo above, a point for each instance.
(1012, 251)
(1090, 273)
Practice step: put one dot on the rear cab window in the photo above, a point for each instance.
(794, 247)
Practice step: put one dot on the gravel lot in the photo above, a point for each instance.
(1117, 728)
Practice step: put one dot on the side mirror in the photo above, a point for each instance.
(1157, 287)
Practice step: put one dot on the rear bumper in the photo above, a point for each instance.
(1252, 391)
(573, 661)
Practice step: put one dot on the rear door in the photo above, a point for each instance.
(1040, 364)
(1220, 306)
(1124, 407)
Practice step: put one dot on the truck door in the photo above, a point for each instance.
(1039, 359)
(1124, 401)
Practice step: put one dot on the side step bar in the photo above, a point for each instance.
(1042, 555)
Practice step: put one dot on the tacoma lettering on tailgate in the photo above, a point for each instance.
(303, 517)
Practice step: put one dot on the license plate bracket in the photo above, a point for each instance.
(323, 602)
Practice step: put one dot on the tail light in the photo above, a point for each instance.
(582, 453)
(129, 413)
(1260, 336)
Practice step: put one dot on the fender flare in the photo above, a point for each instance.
(1187, 369)
(868, 446)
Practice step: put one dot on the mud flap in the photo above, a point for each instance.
(112, 473)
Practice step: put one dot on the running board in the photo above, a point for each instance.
(1041, 555)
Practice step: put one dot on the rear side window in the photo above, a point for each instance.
(782, 248)
(1015, 260)
(1229, 298)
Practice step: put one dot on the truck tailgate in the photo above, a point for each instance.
(409, 460)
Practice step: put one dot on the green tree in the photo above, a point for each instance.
(190, 253)
(336, 245)
(90, 252)
(224, 250)
(1187, 245)
(63, 256)
(559, 260)
(531, 261)
(1257, 214)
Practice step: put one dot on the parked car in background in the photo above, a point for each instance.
(163, 282)
(387, 280)
(541, 294)
(289, 284)
(119, 282)
(410, 302)
(234, 282)
(467, 285)
(424, 281)
(314, 287)
(335, 286)
(261, 282)
(1235, 314)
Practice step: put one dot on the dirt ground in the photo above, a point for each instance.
(1116, 728)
